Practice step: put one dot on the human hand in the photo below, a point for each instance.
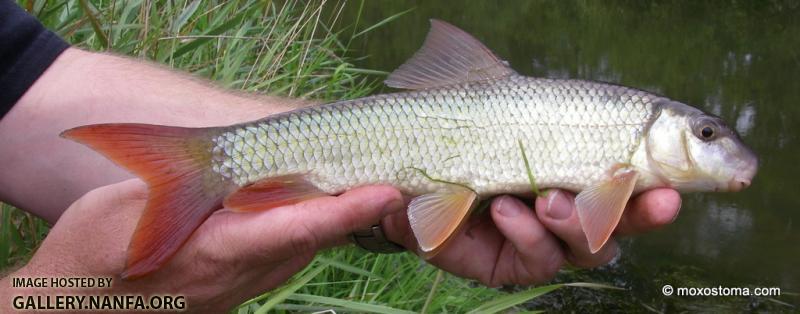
(230, 258)
(522, 246)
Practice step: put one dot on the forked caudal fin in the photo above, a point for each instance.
(183, 192)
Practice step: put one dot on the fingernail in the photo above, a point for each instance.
(509, 206)
(559, 207)
(393, 206)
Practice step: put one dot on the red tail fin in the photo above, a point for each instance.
(175, 162)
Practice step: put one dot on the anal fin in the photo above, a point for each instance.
(436, 217)
(272, 192)
(600, 206)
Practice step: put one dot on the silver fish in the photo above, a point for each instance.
(465, 131)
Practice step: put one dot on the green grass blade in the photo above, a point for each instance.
(346, 304)
(439, 276)
(382, 22)
(532, 181)
(349, 268)
(185, 15)
(514, 299)
(6, 227)
(230, 24)
(593, 285)
(288, 290)
(98, 30)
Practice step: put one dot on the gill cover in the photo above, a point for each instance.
(666, 144)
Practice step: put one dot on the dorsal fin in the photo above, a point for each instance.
(448, 56)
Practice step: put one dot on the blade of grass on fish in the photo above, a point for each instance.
(482, 206)
(514, 299)
(277, 297)
(534, 188)
(98, 30)
(346, 304)
(432, 179)
(349, 268)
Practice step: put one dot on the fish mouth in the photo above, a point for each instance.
(743, 179)
(747, 170)
(738, 184)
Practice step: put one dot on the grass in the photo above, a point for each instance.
(20, 235)
(286, 48)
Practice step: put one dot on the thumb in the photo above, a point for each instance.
(332, 219)
(558, 214)
(327, 221)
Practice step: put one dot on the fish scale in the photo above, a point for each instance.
(572, 131)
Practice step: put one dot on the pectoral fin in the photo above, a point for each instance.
(435, 217)
(272, 192)
(600, 206)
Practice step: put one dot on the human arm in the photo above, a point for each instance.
(82, 88)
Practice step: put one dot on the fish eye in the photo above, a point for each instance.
(707, 128)
(707, 132)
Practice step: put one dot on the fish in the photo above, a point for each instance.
(464, 127)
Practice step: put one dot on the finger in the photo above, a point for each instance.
(557, 212)
(318, 223)
(649, 211)
(539, 253)
(336, 218)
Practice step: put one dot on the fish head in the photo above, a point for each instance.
(695, 151)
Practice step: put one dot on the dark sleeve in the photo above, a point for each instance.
(26, 50)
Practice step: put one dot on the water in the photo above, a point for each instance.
(738, 60)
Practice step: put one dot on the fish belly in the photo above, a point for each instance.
(572, 133)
